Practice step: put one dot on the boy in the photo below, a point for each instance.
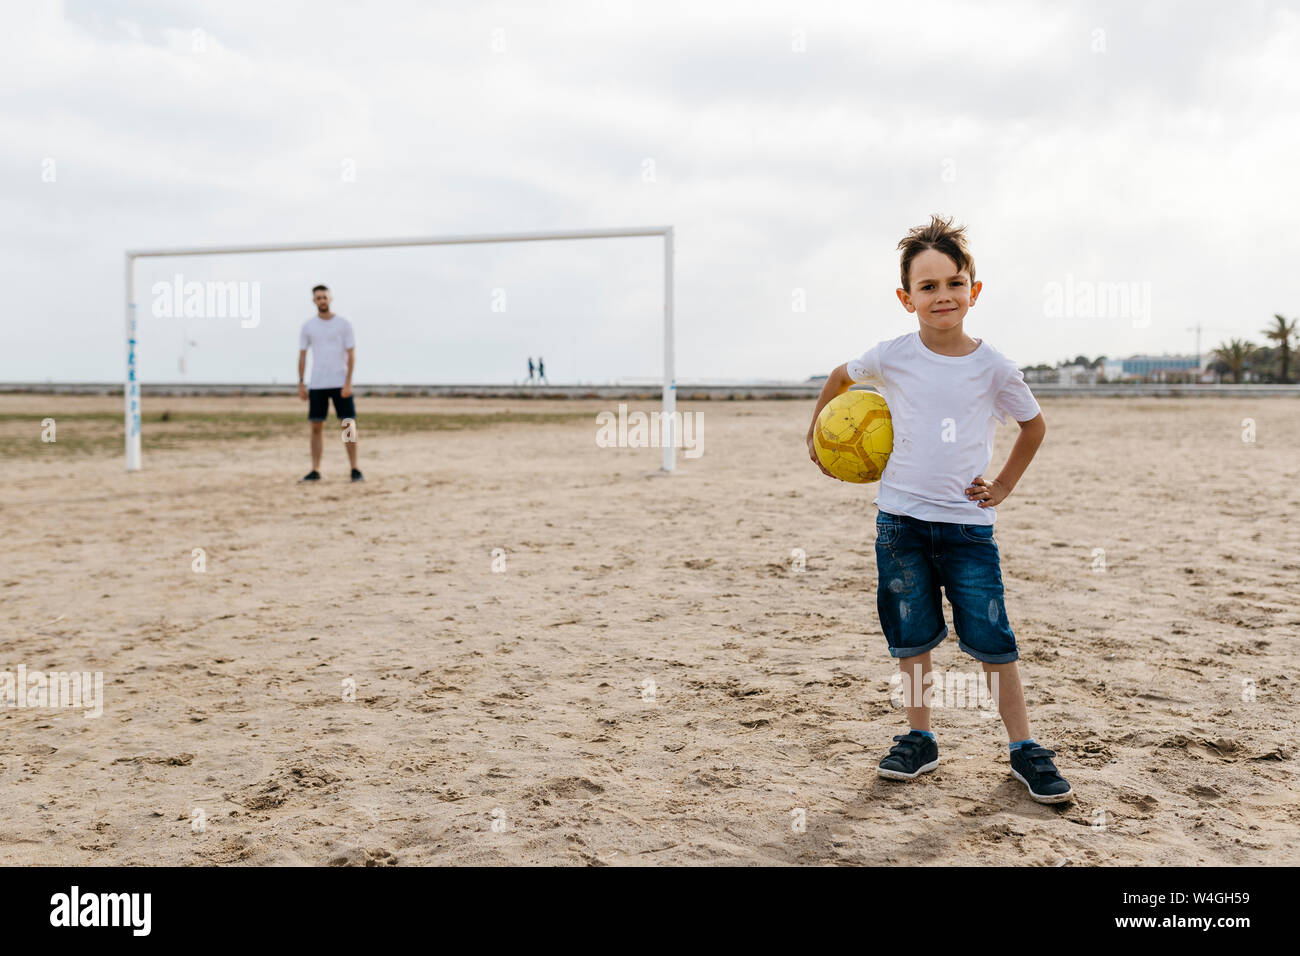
(333, 356)
(934, 527)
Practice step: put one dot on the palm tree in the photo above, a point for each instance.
(1264, 362)
(1282, 332)
(1234, 353)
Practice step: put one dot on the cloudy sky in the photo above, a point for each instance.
(1127, 171)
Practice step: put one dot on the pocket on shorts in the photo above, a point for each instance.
(977, 532)
(887, 528)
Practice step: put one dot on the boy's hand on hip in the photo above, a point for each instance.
(987, 493)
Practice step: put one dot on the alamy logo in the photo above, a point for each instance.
(946, 689)
(41, 689)
(638, 430)
(179, 299)
(1086, 299)
(103, 909)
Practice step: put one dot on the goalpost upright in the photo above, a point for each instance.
(668, 435)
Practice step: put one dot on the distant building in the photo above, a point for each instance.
(1061, 375)
(1159, 368)
(1076, 375)
(1135, 368)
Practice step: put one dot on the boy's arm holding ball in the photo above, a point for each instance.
(994, 492)
(837, 383)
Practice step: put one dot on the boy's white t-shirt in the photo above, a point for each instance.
(945, 411)
(329, 341)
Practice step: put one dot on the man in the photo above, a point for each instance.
(334, 353)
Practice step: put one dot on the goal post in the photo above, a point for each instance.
(668, 436)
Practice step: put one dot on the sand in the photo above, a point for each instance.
(507, 717)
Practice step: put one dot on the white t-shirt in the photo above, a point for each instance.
(945, 411)
(329, 341)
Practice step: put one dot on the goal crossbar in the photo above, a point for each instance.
(132, 383)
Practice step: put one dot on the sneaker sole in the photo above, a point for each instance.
(899, 775)
(1044, 798)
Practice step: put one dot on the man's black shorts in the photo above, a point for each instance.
(318, 404)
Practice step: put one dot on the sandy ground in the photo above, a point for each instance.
(522, 696)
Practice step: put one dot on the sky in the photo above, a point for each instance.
(1126, 172)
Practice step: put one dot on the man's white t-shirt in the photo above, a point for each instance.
(945, 411)
(329, 341)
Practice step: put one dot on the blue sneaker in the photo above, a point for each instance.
(913, 755)
(1033, 767)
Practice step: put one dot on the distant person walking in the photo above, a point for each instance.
(333, 355)
(541, 371)
(530, 368)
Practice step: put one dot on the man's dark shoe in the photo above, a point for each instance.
(357, 476)
(311, 476)
(913, 755)
(1032, 766)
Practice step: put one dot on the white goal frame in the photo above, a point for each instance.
(668, 436)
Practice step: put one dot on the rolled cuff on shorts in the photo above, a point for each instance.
(903, 652)
(987, 658)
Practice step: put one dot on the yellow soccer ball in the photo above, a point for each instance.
(854, 436)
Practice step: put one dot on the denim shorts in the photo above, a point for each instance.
(915, 558)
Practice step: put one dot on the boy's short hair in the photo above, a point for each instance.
(318, 288)
(941, 235)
